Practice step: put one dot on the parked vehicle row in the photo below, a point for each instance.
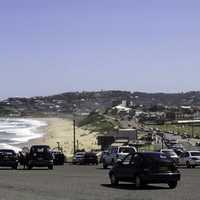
(187, 158)
(128, 165)
(37, 156)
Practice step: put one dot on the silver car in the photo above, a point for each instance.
(190, 159)
(170, 153)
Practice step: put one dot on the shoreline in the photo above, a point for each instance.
(61, 130)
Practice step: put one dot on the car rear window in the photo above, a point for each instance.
(7, 152)
(80, 154)
(169, 153)
(40, 149)
(195, 153)
(159, 162)
(126, 150)
(157, 156)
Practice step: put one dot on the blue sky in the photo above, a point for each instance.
(49, 47)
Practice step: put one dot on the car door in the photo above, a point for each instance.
(124, 168)
(182, 159)
(186, 158)
(130, 167)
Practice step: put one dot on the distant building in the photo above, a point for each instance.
(107, 139)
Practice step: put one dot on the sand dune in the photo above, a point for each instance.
(61, 130)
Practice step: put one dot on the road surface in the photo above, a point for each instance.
(88, 183)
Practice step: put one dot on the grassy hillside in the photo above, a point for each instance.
(99, 123)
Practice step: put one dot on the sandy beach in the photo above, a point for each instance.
(61, 130)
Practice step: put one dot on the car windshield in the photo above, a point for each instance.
(195, 153)
(126, 150)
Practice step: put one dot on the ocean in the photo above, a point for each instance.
(14, 131)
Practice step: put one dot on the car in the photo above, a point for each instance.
(178, 151)
(190, 159)
(116, 152)
(40, 156)
(178, 146)
(85, 158)
(144, 168)
(103, 153)
(8, 158)
(78, 158)
(171, 154)
(58, 158)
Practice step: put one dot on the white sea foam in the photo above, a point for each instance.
(19, 130)
(7, 146)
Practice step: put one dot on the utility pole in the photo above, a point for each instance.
(162, 141)
(74, 134)
(74, 128)
(77, 145)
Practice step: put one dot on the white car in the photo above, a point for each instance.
(190, 159)
(114, 153)
(170, 153)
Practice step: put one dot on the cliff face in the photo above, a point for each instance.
(88, 101)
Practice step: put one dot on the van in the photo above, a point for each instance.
(116, 152)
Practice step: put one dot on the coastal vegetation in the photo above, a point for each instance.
(98, 122)
(5, 111)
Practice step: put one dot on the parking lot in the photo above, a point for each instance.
(71, 182)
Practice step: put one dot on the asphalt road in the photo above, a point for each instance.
(88, 182)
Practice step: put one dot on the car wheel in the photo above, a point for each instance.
(193, 166)
(172, 184)
(138, 182)
(50, 167)
(188, 164)
(113, 180)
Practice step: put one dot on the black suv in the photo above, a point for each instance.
(144, 168)
(40, 156)
(8, 158)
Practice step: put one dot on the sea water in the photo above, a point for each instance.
(14, 131)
